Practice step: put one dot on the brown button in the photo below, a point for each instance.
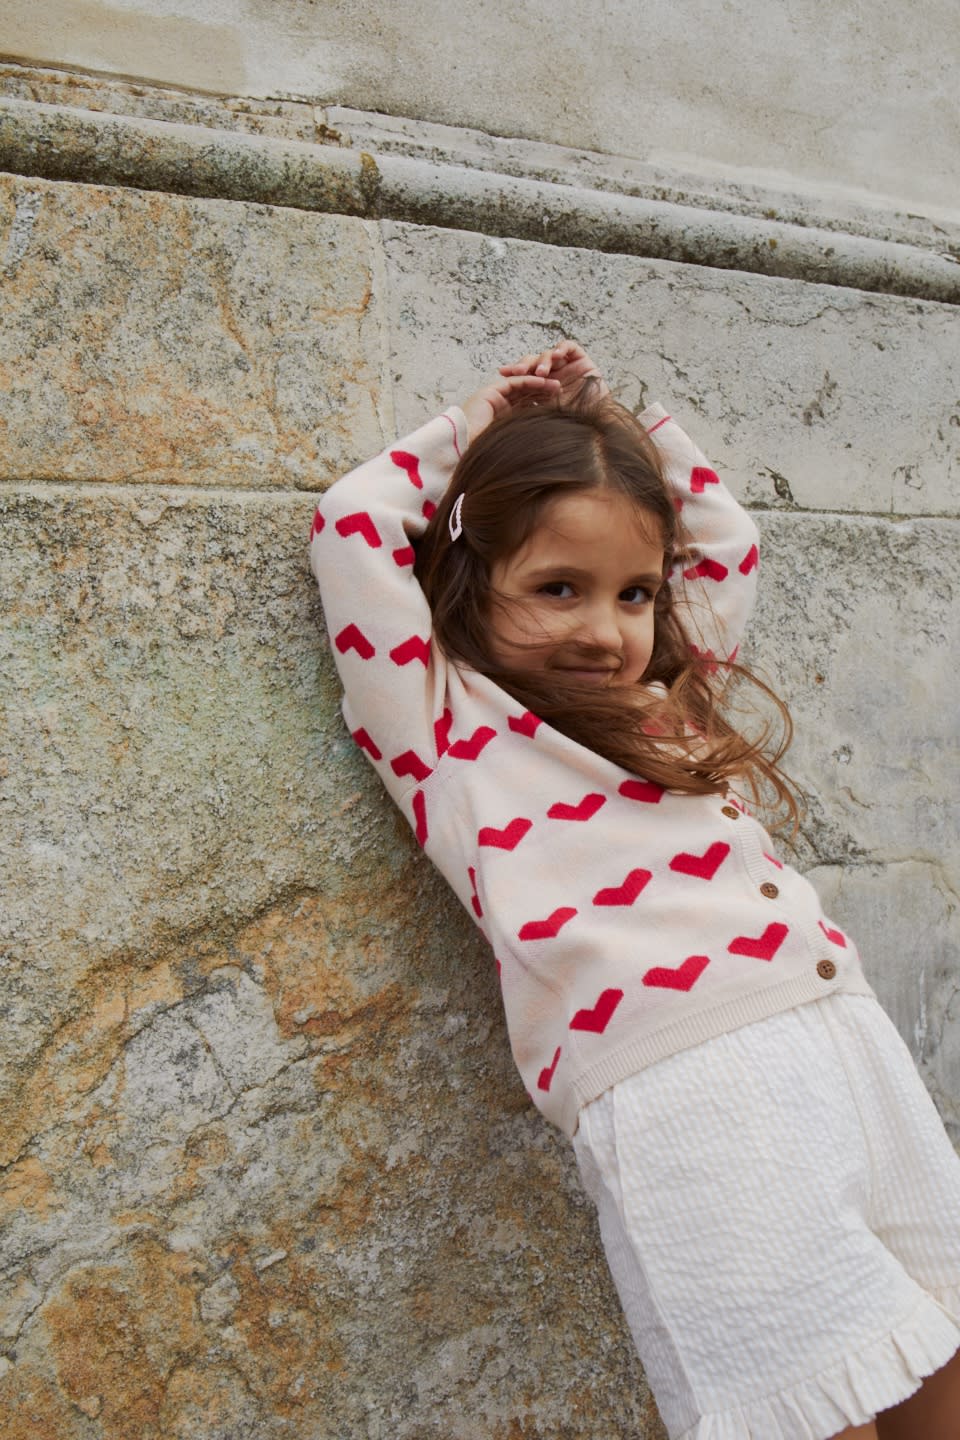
(769, 889)
(731, 812)
(826, 969)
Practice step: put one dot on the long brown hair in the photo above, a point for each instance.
(688, 738)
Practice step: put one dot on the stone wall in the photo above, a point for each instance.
(267, 1169)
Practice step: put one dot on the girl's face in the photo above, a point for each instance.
(577, 597)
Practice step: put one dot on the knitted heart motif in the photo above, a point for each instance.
(684, 977)
(429, 509)
(546, 1075)
(706, 570)
(701, 476)
(409, 763)
(597, 1019)
(749, 561)
(470, 748)
(835, 936)
(547, 929)
(585, 809)
(365, 743)
(420, 815)
(626, 893)
(474, 898)
(414, 648)
(646, 791)
(410, 463)
(318, 524)
(360, 524)
(509, 837)
(404, 556)
(761, 947)
(441, 730)
(704, 866)
(351, 637)
(525, 724)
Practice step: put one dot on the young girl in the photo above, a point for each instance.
(535, 602)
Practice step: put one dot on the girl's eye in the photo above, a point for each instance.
(636, 595)
(557, 588)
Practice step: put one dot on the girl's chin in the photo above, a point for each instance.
(586, 677)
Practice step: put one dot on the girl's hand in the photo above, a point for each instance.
(568, 363)
(501, 394)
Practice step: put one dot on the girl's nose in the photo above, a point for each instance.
(600, 628)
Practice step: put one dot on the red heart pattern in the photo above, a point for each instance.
(597, 1019)
(509, 837)
(547, 929)
(760, 947)
(360, 524)
(646, 791)
(429, 509)
(706, 570)
(409, 463)
(773, 860)
(704, 866)
(749, 561)
(626, 893)
(404, 556)
(708, 657)
(684, 977)
(318, 524)
(525, 724)
(409, 763)
(441, 730)
(420, 815)
(351, 637)
(585, 809)
(546, 1074)
(365, 743)
(470, 748)
(415, 648)
(700, 477)
(836, 937)
(475, 898)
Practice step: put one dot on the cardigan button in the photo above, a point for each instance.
(826, 969)
(731, 812)
(769, 889)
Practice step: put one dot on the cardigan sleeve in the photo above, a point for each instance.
(715, 583)
(377, 616)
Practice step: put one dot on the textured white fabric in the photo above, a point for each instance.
(780, 1207)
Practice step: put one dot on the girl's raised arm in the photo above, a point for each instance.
(362, 555)
(361, 552)
(715, 579)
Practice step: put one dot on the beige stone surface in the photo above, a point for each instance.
(151, 337)
(805, 395)
(838, 97)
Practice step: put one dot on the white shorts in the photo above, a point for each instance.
(780, 1208)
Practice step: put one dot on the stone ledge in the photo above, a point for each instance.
(62, 143)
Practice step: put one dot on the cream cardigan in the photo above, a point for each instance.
(627, 922)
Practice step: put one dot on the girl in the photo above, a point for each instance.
(535, 603)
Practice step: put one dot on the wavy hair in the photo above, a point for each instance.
(692, 732)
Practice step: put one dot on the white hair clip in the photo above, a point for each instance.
(456, 524)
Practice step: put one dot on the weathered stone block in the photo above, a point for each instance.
(147, 337)
(802, 394)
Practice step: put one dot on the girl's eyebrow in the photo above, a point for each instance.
(544, 572)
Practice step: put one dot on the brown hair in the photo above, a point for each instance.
(687, 740)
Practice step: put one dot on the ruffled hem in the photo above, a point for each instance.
(853, 1391)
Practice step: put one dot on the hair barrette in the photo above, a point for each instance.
(455, 523)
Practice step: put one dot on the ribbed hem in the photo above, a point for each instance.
(639, 1052)
(852, 1391)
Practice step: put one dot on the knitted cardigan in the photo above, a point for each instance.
(628, 922)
